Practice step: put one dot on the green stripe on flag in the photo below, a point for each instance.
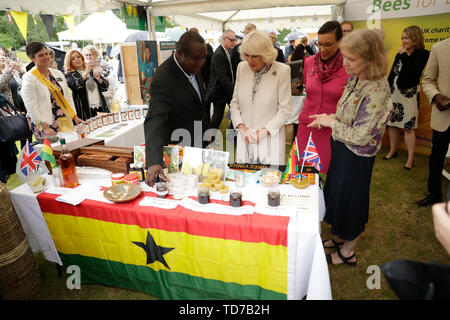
(177, 286)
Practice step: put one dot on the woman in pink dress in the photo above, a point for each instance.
(324, 78)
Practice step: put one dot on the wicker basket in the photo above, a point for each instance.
(19, 274)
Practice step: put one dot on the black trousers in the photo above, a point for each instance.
(439, 150)
(218, 111)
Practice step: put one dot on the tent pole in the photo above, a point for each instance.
(150, 24)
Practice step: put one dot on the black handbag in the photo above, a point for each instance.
(15, 126)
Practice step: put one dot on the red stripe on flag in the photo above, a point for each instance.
(249, 228)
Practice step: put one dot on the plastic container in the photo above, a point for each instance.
(132, 178)
(117, 178)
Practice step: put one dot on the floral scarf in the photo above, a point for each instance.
(327, 72)
(257, 80)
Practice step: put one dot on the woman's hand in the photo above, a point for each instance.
(48, 131)
(247, 135)
(77, 120)
(322, 120)
(261, 134)
(401, 50)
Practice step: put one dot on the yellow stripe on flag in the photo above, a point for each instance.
(244, 263)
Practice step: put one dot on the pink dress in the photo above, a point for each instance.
(321, 97)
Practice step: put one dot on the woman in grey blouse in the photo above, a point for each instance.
(357, 129)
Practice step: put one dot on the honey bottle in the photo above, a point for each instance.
(67, 164)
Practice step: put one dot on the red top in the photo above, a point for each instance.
(320, 98)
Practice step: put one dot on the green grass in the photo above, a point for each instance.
(397, 229)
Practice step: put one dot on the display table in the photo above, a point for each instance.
(179, 249)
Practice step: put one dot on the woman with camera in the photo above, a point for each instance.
(84, 76)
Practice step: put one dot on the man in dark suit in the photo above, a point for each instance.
(177, 107)
(280, 56)
(221, 82)
(234, 53)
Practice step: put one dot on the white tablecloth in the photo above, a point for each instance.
(309, 270)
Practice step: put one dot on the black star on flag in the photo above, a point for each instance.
(154, 252)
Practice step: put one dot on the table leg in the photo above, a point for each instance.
(59, 270)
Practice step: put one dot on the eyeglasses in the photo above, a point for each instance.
(326, 45)
(232, 40)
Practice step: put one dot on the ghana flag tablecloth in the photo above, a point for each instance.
(172, 253)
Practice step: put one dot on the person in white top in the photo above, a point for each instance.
(45, 93)
(261, 102)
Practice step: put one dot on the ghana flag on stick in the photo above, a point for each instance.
(47, 153)
(177, 253)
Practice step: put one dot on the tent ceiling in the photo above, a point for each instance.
(158, 7)
(174, 7)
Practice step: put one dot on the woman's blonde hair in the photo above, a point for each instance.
(368, 44)
(416, 35)
(68, 67)
(258, 43)
(90, 48)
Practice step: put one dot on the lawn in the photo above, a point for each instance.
(397, 229)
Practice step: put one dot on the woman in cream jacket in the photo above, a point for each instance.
(43, 106)
(261, 102)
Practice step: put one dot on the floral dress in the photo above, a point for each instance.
(57, 113)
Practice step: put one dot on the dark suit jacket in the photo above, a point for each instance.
(80, 98)
(174, 104)
(280, 56)
(221, 84)
(206, 69)
(235, 57)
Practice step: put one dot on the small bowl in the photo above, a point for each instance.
(300, 183)
(52, 139)
(270, 177)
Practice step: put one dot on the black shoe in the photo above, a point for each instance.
(393, 156)
(409, 168)
(429, 200)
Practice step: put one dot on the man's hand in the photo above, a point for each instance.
(442, 102)
(441, 221)
(153, 172)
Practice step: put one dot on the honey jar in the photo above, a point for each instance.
(117, 178)
(132, 178)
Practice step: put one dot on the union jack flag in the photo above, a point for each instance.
(311, 156)
(29, 159)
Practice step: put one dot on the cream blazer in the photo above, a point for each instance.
(436, 79)
(36, 96)
(271, 109)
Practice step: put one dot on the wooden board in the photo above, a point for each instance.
(128, 56)
(75, 146)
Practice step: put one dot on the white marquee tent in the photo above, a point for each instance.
(100, 27)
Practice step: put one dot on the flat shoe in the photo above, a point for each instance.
(393, 156)
(345, 260)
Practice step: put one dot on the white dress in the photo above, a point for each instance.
(270, 109)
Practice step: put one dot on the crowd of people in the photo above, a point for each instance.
(350, 100)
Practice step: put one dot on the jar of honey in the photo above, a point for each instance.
(132, 178)
(117, 178)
